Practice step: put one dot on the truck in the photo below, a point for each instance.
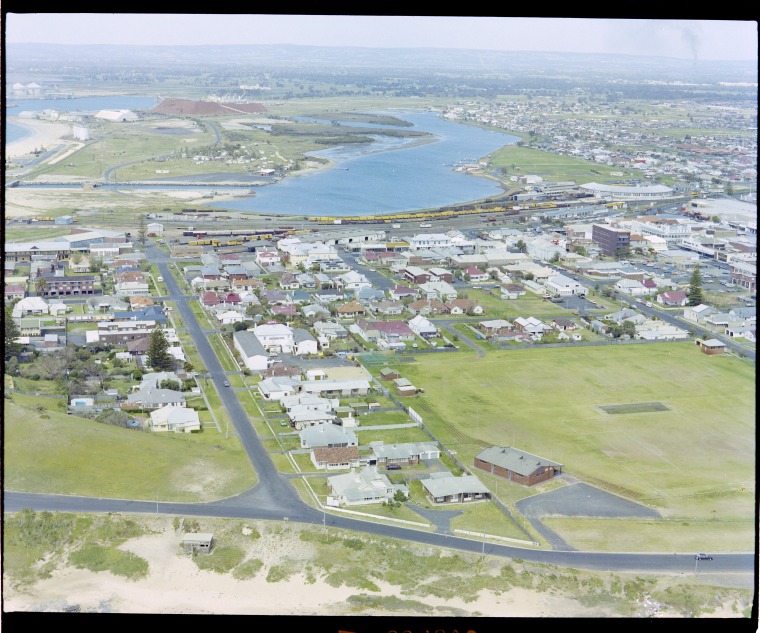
(395, 226)
(425, 225)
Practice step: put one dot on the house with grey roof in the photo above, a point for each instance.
(176, 419)
(362, 487)
(304, 342)
(327, 435)
(516, 465)
(406, 454)
(251, 350)
(152, 398)
(447, 488)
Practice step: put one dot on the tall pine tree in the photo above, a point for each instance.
(695, 287)
(159, 357)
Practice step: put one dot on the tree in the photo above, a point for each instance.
(95, 264)
(41, 286)
(521, 246)
(11, 347)
(142, 231)
(170, 384)
(158, 351)
(695, 287)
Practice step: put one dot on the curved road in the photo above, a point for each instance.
(274, 498)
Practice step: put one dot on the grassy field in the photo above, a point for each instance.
(60, 454)
(693, 462)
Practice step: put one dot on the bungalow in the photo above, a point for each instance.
(698, 314)
(387, 330)
(177, 419)
(30, 306)
(314, 310)
(352, 280)
(512, 291)
(288, 310)
(350, 310)
(209, 298)
(14, 292)
(531, 326)
(428, 306)
(267, 258)
(301, 418)
(423, 327)
(631, 287)
(330, 330)
(362, 487)
(672, 298)
(446, 488)
(388, 308)
(288, 281)
(438, 290)
(278, 387)
(464, 306)
(407, 454)
(516, 465)
(366, 295)
(337, 458)
(398, 293)
(328, 435)
(152, 398)
(474, 274)
(563, 324)
(328, 295)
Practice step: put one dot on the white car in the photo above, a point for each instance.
(160, 278)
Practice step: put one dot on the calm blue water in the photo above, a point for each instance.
(388, 176)
(84, 105)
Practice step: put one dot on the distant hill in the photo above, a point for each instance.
(208, 108)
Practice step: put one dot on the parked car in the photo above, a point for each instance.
(702, 557)
(226, 383)
(393, 467)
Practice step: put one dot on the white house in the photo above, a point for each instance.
(423, 327)
(565, 286)
(362, 487)
(698, 314)
(251, 350)
(30, 306)
(429, 240)
(177, 419)
(275, 337)
(632, 287)
(304, 342)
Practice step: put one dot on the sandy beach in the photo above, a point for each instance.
(45, 134)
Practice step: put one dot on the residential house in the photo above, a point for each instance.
(289, 310)
(30, 306)
(416, 275)
(712, 347)
(512, 291)
(275, 337)
(337, 458)
(252, 352)
(464, 306)
(441, 274)
(474, 274)
(151, 398)
(329, 295)
(327, 435)
(14, 292)
(398, 293)
(177, 419)
(698, 314)
(391, 331)
(423, 327)
(531, 326)
(315, 310)
(388, 308)
(330, 330)
(305, 343)
(631, 287)
(407, 454)
(366, 295)
(672, 298)
(516, 465)
(563, 324)
(444, 487)
(438, 290)
(352, 280)
(278, 387)
(362, 487)
(427, 307)
(350, 310)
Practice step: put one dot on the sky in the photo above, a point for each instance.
(708, 39)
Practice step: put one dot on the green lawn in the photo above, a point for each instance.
(695, 460)
(61, 454)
